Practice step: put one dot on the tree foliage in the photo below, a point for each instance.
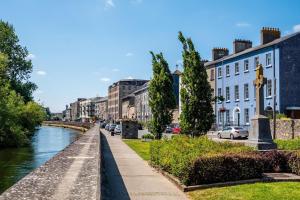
(17, 118)
(161, 96)
(18, 66)
(197, 115)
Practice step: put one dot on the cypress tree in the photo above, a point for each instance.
(197, 115)
(161, 96)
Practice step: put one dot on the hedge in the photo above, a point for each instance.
(225, 167)
(294, 162)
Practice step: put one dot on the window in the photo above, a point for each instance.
(246, 91)
(227, 96)
(268, 59)
(269, 88)
(227, 70)
(246, 65)
(219, 72)
(236, 68)
(236, 93)
(212, 74)
(256, 62)
(219, 117)
(227, 117)
(246, 112)
(219, 92)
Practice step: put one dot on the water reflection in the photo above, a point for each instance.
(15, 163)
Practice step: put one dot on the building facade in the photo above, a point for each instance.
(101, 107)
(75, 109)
(128, 108)
(235, 73)
(116, 92)
(142, 108)
(87, 109)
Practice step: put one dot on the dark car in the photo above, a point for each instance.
(112, 127)
(102, 125)
(168, 129)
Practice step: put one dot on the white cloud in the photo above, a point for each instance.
(115, 70)
(129, 54)
(129, 77)
(41, 73)
(105, 79)
(296, 28)
(30, 56)
(109, 4)
(242, 24)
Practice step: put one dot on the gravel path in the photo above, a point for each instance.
(71, 174)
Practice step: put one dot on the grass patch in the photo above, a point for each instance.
(141, 148)
(257, 191)
(293, 144)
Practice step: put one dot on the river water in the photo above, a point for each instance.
(15, 163)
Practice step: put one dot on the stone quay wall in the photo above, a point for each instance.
(286, 128)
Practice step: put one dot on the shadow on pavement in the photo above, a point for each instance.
(112, 186)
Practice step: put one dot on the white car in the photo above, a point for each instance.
(233, 132)
(117, 129)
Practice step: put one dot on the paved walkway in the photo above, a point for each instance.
(127, 176)
(70, 175)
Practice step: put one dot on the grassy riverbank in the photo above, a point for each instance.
(141, 148)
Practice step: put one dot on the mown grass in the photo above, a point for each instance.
(293, 144)
(141, 148)
(257, 191)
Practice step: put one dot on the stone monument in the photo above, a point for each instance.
(260, 132)
(129, 129)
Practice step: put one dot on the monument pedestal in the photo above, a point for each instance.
(260, 135)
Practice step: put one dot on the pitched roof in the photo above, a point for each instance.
(277, 41)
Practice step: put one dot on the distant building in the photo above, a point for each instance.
(87, 109)
(101, 107)
(75, 109)
(116, 92)
(128, 108)
(56, 116)
(142, 108)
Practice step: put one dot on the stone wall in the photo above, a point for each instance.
(286, 128)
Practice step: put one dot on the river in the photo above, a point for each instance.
(15, 163)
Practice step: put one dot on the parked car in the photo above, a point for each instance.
(107, 127)
(117, 129)
(112, 127)
(233, 132)
(102, 125)
(168, 129)
(176, 129)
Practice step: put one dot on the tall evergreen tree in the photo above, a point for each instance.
(19, 67)
(161, 96)
(197, 115)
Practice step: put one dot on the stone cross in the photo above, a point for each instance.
(259, 82)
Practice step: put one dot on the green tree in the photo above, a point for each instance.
(197, 115)
(161, 96)
(18, 66)
(17, 119)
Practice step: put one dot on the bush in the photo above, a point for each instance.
(293, 144)
(225, 167)
(294, 162)
(275, 161)
(178, 154)
(148, 136)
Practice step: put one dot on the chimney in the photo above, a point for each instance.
(241, 45)
(218, 53)
(269, 34)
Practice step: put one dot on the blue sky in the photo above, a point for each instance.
(79, 47)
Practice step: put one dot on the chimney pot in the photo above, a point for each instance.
(219, 52)
(269, 34)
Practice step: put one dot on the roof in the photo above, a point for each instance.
(277, 41)
(142, 88)
(131, 95)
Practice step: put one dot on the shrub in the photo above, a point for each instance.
(275, 161)
(225, 167)
(178, 154)
(294, 162)
(148, 136)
